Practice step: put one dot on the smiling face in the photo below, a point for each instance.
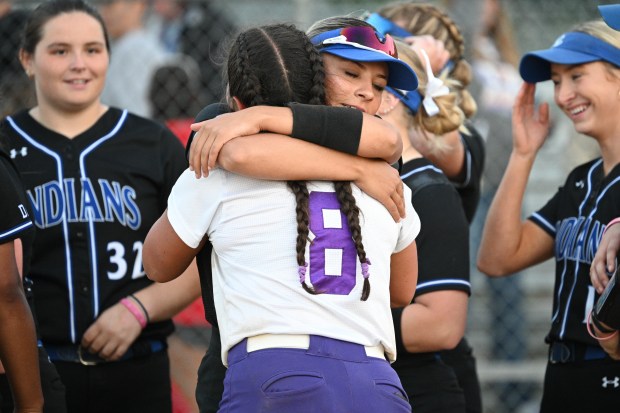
(589, 94)
(69, 63)
(355, 84)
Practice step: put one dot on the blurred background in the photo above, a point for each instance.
(508, 318)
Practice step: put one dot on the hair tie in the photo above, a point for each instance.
(365, 268)
(301, 270)
(435, 87)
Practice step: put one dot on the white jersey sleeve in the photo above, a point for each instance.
(192, 204)
(410, 227)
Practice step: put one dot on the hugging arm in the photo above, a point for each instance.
(343, 129)
(403, 276)
(523, 243)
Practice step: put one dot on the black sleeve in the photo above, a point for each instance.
(208, 112)
(337, 128)
(397, 314)
(469, 187)
(443, 241)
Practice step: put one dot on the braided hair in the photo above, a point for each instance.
(267, 66)
(420, 19)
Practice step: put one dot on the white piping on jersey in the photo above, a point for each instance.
(560, 288)
(91, 224)
(570, 296)
(15, 229)
(65, 228)
(418, 170)
(443, 282)
(585, 198)
(577, 262)
(544, 221)
(64, 220)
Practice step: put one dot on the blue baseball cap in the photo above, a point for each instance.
(572, 48)
(611, 15)
(364, 44)
(411, 99)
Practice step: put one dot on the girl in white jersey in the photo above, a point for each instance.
(338, 328)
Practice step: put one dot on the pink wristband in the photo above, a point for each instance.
(610, 223)
(135, 311)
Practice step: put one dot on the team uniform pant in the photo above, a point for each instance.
(431, 385)
(583, 384)
(463, 362)
(331, 376)
(128, 386)
(211, 375)
(53, 389)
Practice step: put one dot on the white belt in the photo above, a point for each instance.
(300, 341)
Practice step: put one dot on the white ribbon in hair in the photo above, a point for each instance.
(434, 88)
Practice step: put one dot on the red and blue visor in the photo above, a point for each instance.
(364, 44)
(572, 48)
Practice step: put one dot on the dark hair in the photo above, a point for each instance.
(431, 20)
(47, 10)
(275, 65)
(336, 22)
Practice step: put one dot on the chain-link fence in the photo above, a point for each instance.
(508, 317)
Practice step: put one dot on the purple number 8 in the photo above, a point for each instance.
(332, 253)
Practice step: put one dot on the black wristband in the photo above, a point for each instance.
(337, 128)
(146, 313)
(600, 326)
(397, 314)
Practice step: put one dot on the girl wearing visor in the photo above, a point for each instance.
(605, 260)
(348, 126)
(584, 65)
(304, 314)
(463, 157)
(436, 318)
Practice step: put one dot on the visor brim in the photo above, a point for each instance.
(536, 66)
(400, 76)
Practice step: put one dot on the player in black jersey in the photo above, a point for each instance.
(584, 65)
(436, 318)
(97, 178)
(463, 160)
(605, 261)
(18, 341)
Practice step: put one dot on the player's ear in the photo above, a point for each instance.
(237, 104)
(25, 59)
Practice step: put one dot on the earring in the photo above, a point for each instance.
(388, 110)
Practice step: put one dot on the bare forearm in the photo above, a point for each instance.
(452, 160)
(164, 301)
(269, 156)
(503, 224)
(379, 140)
(18, 351)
